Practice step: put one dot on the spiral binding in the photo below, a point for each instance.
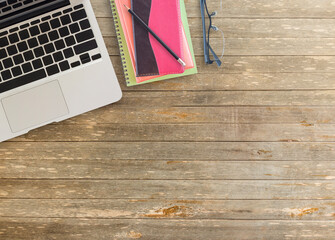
(118, 35)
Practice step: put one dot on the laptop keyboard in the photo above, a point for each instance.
(45, 47)
(7, 6)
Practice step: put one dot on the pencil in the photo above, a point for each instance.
(155, 36)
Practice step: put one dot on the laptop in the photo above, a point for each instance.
(53, 64)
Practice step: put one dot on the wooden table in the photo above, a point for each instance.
(240, 152)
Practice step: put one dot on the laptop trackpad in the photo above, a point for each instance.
(35, 106)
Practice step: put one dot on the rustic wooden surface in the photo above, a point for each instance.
(245, 151)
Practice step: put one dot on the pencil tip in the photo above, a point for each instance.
(125, 6)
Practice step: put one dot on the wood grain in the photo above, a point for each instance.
(304, 115)
(249, 151)
(106, 169)
(64, 228)
(167, 189)
(226, 98)
(169, 209)
(304, 132)
(241, 81)
(245, 151)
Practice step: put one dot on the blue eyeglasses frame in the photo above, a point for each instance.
(206, 32)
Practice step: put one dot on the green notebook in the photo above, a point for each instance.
(129, 71)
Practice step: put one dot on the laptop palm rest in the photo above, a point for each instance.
(35, 106)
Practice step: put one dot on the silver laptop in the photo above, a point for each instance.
(53, 64)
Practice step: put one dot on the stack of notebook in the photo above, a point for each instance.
(144, 60)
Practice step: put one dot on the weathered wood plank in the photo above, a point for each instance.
(256, 46)
(250, 9)
(227, 114)
(169, 209)
(168, 189)
(166, 169)
(54, 228)
(260, 64)
(243, 81)
(168, 151)
(225, 98)
(304, 132)
(253, 28)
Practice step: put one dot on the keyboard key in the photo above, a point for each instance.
(27, 67)
(68, 53)
(32, 43)
(3, 42)
(18, 59)
(67, 10)
(2, 4)
(24, 34)
(55, 23)
(85, 47)
(13, 29)
(47, 60)
(45, 27)
(78, 6)
(37, 64)
(56, 14)
(75, 64)
(64, 65)
(11, 1)
(53, 35)
(53, 69)
(6, 9)
(13, 38)
(43, 39)
(7, 63)
(49, 48)
(1, 68)
(22, 46)
(78, 15)
(16, 71)
(83, 36)
(28, 55)
(58, 56)
(22, 80)
(24, 25)
(6, 75)
(70, 41)
(39, 52)
(96, 56)
(60, 44)
(34, 31)
(64, 31)
(12, 50)
(35, 22)
(84, 24)
(3, 53)
(45, 18)
(65, 19)
(74, 28)
(85, 58)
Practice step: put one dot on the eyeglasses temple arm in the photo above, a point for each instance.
(216, 59)
(206, 50)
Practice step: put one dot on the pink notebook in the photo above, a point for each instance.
(163, 17)
(127, 25)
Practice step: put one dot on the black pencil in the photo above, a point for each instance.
(155, 36)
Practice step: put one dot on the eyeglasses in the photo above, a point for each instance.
(207, 33)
